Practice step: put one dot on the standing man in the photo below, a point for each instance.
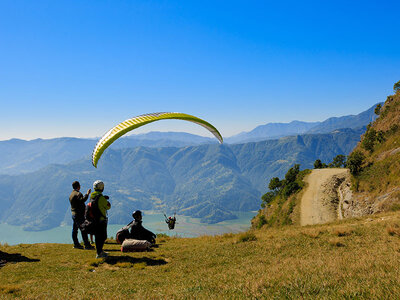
(77, 201)
(101, 223)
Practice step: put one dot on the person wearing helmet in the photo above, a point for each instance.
(101, 224)
(138, 232)
(77, 201)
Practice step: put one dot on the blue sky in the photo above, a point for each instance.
(77, 68)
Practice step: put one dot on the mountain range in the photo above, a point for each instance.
(20, 156)
(160, 171)
(210, 181)
(277, 130)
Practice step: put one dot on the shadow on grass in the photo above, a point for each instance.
(14, 258)
(112, 260)
(112, 250)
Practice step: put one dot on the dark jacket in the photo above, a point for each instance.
(77, 201)
(138, 232)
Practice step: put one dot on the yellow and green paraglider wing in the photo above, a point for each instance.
(135, 122)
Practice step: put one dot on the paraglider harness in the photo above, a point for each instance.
(92, 215)
(126, 233)
(170, 221)
(123, 233)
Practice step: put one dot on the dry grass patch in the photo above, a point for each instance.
(95, 262)
(162, 237)
(313, 233)
(10, 289)
(343, 231)
(393, 229)
(336, 242)
(140, 266)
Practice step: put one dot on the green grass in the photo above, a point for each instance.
(356, 258)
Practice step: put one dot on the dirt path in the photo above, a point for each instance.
(314, 205)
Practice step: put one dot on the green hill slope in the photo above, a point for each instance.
(376, 186)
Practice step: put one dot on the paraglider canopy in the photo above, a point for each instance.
(136, 122)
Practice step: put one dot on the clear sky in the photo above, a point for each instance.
(77, 68)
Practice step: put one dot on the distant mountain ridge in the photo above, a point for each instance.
(20, 156)
(277, 130)
(272, 130)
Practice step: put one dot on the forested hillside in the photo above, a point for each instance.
(209, 181)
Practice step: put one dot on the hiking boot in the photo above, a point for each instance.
(78, 246)
(102, 255)
(89, 247)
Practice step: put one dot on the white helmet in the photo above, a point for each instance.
(98, 185)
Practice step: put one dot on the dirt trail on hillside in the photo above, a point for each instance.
(318, 205)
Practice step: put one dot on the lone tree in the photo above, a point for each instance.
(275, 184)
(355, 161)
(291, 174)
(368, 142)
(267, 198)
(318, 164)
(396, 87)
(339, 161)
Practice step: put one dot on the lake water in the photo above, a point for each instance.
(185, 227)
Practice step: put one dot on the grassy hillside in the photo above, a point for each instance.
(379, 178)
(356, 258)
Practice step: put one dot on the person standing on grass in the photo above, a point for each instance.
(77, 201)
(102, 204)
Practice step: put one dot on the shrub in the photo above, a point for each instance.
(338, 161)
(355, 161)
(267, 198)
(369, 140)
(292, 173)
(377, 110)
(247, 237)
(380, 136)
(290, 189)
(318, 164)
(393, 129)
(261, 221)
(396, 87)
(275, 183)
